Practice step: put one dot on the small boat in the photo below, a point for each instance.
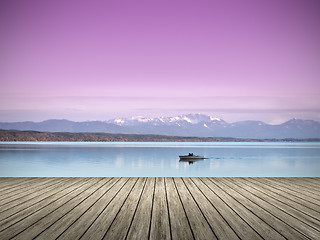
(191, 156)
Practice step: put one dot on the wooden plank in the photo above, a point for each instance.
(3, 179)
(277, 224)
(80, 226)
(285, 207)
(26, 227)
(43, 224)
(31, 194)
(295, 202)
(199, 225)
(299, 186)
(314, 182)
(178, 217)
(291, 190)
(100, 226)
(218, 224)
(12, 217)
(26, 190)
(305, 183)
(263, 229)
(16, 189)
(20, 207)
(141, 222)
(272, 207)
(240, 227)
(64, 222)
(15, 181)
(120, 226)
(10, 183)
(304, 189)
(312, 179)
(160, 225)
(82, 223)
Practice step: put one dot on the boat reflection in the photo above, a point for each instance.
(190, 160)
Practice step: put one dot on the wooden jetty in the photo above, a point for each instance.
(159, 208)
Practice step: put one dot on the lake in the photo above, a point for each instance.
(29, 159)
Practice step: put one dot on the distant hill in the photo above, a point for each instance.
(36, 136)
(197, 125)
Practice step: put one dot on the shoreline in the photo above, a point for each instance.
(36, 136)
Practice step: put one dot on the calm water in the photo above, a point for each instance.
(159, 159)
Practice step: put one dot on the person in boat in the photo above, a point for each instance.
(190, 154)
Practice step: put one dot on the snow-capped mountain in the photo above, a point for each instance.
(198, 125)
(178, 120)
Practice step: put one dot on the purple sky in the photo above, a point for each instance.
(95, 60)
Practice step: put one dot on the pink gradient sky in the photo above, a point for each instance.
(95, 60)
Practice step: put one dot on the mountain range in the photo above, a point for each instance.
(197, 125)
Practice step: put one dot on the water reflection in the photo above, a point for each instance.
(190, 160)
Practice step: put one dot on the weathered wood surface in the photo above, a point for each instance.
(159, 208)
